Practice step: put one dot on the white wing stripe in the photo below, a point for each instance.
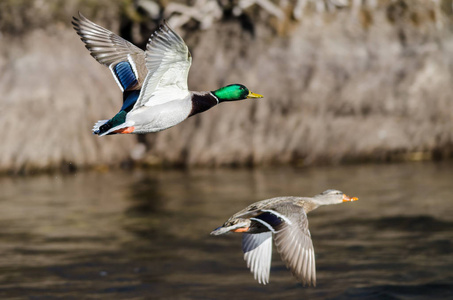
(264, 223)
(278, 215)
(116, 78)
(132, 63)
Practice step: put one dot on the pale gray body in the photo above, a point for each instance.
(160, 117)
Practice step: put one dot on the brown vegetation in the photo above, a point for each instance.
(366, 84)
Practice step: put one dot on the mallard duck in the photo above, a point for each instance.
(286, 219)
(153, 82)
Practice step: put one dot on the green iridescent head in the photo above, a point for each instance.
(234, 92)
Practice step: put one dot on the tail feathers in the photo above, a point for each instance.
(105, 127)
(97, 127)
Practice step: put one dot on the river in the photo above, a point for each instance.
(144, 234)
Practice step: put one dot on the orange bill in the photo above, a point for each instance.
(346, 198)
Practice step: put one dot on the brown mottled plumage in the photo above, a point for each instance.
(286, 218)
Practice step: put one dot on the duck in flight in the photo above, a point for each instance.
(153, 82)
(285, 218)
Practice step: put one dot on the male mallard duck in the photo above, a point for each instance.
(153, 82)
(286, 218)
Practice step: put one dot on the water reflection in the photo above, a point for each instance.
(145, 234)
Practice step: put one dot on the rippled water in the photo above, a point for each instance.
(145, 234)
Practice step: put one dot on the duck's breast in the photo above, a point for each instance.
(160, 117)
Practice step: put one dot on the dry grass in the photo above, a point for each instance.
(335, 90)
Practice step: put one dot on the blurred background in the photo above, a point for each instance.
(357, 97)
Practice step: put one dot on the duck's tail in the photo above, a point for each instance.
(100, 127)
(116, 124)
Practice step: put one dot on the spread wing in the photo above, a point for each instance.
(124, 59)
(289, 224)
(294, 244)
(168, 62)
(257, 250)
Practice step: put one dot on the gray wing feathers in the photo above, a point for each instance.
(296, 249)
(105, 46)
(165, 46)
(168, 62)
(257, 250)
(109, 49)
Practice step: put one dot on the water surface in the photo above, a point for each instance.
(145, 234)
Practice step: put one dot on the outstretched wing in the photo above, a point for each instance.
(294, 244)
(125, 60)
(257, 250)
(168, 62)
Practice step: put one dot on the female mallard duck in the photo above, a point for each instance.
(153, 82)
(286, 218)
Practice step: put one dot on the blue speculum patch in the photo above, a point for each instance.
(270, 219)
(125, 74)
(129, 99)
